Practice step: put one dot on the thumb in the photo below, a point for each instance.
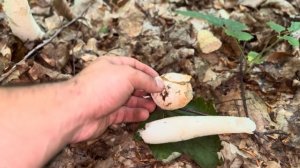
(143, 81)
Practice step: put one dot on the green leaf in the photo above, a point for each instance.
(203, 106)
(276, 27)
(254, 57)
(234, 25)
(219, 22)
(202, 150)
(293, 41)
(241, 36)
(104, 30)
(294, 26)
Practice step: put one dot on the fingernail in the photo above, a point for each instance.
(159, 82)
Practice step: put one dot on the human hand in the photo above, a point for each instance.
(111, 90)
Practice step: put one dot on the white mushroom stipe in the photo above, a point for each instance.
(182, 128)
(178, 91)
(21, 20)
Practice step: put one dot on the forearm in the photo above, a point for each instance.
(35, 122)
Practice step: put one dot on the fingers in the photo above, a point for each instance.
(141, 81)
(127, 114)
(133, 63)
(138, 102)
(140, 93)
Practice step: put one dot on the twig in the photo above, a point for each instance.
(242, 86)
(279, 132)
(193, 111)
(231, 100)
(38, 47)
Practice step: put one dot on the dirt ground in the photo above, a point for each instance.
(150, 31)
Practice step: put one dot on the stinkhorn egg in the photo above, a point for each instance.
(178, 91)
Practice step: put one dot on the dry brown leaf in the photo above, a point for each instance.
(272, 164)
(56, 55)
(286, 71)
(53, 22)
(91, 45)
(132, 23)
(4, 64)
(63, 9)
(37, 71)
(283, 5)
(88, 57)
(208, 42)
(278, 57)
(258, 112)
(251, 3)
(5, 51)
(199, 24)
(215, 79)
(14, 77)
(97, 14)
(231, 155)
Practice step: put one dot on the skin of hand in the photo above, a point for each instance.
(38, 121)
(116, 86)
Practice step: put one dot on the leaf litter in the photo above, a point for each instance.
(152, 32)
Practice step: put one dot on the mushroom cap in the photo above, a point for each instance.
(178, 91)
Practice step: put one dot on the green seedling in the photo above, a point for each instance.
(283, 34)
(238, 31)
(231, 27)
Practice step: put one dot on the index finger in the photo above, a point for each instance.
(133, 63)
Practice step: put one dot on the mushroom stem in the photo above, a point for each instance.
(21, 20)
(182, 128)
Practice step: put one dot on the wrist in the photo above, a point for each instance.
(41, 116)
(79, 108)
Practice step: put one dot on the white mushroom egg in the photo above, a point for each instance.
(178, 91)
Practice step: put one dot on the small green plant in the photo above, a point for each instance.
(231, 27)
(283, 33)
(103, 30)
(286, 33)
(238, 30)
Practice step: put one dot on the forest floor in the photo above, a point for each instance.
(150, 31)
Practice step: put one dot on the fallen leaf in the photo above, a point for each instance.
(278, 57)
(91, 45)
(56, 56)
(53, 22)
(273, 164)
(258, 112)
(208, 42)
(283, 5)
(132, 23)
(63, 9)
(37, 71)
(251, 3)
(230, 155)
